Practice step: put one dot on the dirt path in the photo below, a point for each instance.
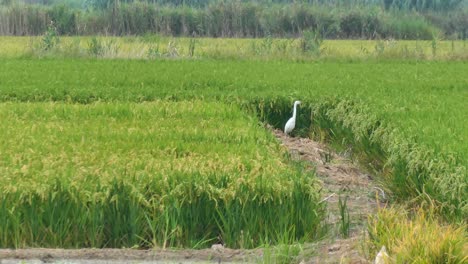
(102, 256)
(340, 179)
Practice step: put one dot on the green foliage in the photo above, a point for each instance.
(232, 19)
(408, 26)
(311, 42)
(154, 52)
(6, 2)
(436, 5)
(64, 19)
(265, 46)
(95, 47)
(100, 48)
(282, 254)
(50, 39)
(351, 25)
(344, 217)
(380, 47)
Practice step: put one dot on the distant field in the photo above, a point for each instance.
(151, 47)
(159, 174)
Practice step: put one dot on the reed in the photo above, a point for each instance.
(235, 19)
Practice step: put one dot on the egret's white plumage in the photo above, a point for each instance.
(292, 121)
(382, 256)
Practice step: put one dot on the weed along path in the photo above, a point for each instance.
(340, 179)
(350, 193)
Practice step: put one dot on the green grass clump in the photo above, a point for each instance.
(165, 174)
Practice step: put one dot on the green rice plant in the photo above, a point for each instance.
(410, 172)
(344, 216)
(128, 175)
(283, 253)
(412, 136)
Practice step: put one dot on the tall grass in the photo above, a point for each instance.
(345, 222)
(232, 19)
(311, 47)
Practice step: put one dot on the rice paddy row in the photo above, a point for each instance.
(418, 98)
(153, 174)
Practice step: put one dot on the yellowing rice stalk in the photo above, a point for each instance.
(416, 237)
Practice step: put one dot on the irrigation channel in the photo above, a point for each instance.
(342, 181)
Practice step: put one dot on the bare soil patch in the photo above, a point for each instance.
(47, 255)
(340, 177)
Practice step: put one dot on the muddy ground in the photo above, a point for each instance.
(340, 177)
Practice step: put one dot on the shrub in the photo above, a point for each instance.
(311, 42)
(50, 38)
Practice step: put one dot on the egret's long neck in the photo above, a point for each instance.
(294, 111)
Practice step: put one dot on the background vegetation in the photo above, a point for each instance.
(311, 47)
(333, 19)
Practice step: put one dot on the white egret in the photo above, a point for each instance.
(292, 121)
(382, 257)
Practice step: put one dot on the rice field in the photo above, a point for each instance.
(132, 150)
(423, 123)
(153, 174)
